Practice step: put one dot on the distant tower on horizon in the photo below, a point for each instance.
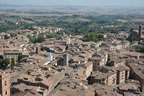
(140, 31)
(137, 35)
(66, 59)
(4, 84)
(38, 50)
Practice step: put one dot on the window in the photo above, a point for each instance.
(6, 93)
(122, 76)
(113, 80)
(5, 83)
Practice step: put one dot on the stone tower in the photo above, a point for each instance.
(65, 58)
(4, 84)
(140, 32)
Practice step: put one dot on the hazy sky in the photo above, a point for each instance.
(131, 3)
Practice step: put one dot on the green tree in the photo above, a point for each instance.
(4, 63)
(6, 37)
(20, 57)
(40, 39)
(93, 37)
(31, 39)
(12, 62)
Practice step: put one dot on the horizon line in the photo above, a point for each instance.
(59, 5)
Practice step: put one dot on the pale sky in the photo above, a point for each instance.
(130, 3)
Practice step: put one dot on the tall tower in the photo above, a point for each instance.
(68, 40)
(65, 58)
(4, 84)
(38, 50)
(50, 56)
(140, 32)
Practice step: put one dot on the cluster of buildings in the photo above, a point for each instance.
(137, 35)
(115, 41)
(47, 29)
(43, 30)
(67, 66)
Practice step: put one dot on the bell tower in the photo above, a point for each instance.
(4, 84)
